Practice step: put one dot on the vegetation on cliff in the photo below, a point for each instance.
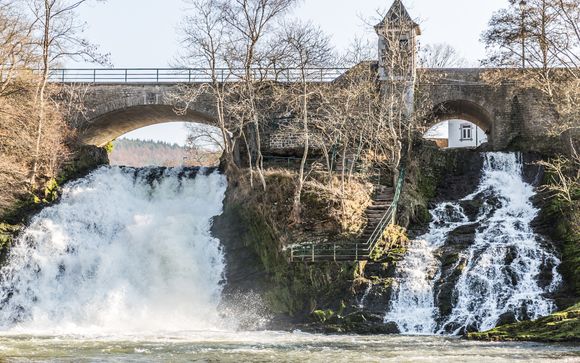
(298, 288)
(37, 118)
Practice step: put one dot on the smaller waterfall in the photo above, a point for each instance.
(509, 268)
(506, 260)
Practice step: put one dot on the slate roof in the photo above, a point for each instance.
(397, 13)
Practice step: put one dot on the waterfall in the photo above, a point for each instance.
(125, 250)
(412, 305)
(508, 268)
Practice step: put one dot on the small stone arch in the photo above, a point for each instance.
(110, 125)
(463, 110)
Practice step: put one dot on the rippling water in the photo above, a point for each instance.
(274, 347)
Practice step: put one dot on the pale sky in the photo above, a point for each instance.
(144, 33)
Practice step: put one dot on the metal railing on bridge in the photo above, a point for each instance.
(190, 75)
(351, 251)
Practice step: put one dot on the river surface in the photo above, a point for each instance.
(273, 347)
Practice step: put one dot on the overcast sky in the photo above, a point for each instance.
(144, 33)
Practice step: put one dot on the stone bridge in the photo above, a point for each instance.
(507, 113)
(117, 105)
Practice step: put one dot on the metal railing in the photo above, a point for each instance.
(351, 251)
(191, 75)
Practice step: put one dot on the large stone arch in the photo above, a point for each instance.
(113, 124)
(113, 110)
(464, 110)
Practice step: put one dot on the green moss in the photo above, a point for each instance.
(323, 315)
(8, 233)
(565, 217)
(294, 288)
(109, 147)
(562, 326)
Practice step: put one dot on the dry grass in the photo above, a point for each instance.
(327, 212)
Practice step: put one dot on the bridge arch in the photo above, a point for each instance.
(462, 109)
(109, 120)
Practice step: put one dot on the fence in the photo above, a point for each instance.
(191, 75)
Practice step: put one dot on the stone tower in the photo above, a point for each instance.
(398, 45)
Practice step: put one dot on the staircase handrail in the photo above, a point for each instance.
(390, 215)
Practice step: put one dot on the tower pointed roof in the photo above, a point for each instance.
(398, 14)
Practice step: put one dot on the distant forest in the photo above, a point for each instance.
(140, 153)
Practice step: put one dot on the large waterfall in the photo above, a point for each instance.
(506, 270)
(125, 250)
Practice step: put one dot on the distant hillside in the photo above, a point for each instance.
(139, 153)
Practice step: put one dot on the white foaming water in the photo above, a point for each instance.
(504, 263)
(412, 305)
(125, 251)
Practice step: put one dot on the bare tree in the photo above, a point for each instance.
(58, 33)
(204, 45)
(302, 46)
(441, 55)
(16, 50)
(249, 24)
(232, 39)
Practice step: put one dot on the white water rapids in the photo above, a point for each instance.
(124, 251)
(504, 263)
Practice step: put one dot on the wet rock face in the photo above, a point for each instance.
(462, 178)
(244, 272)
(532, 173)
(453, 259)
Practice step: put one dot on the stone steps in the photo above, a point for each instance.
(374, 213)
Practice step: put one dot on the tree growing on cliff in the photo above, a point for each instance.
(58, 35)
(302, 46)
(204, 43)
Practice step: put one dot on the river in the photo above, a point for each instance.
(274, 347)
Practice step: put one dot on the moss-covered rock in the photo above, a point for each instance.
(563, 326)
(8, 233)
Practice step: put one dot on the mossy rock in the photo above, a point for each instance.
(563, 326)
(8, 233)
